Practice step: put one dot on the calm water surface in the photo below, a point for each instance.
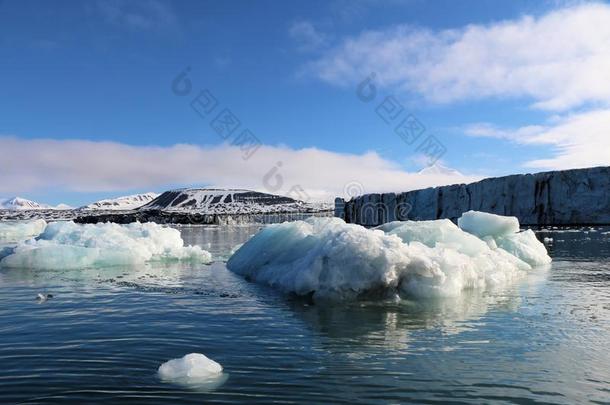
(106, 331)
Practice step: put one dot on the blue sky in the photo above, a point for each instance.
(481, 76)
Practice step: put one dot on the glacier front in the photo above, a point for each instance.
(325, 258)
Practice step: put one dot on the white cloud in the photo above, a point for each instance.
(487, 130)
(559, 60)
(86, 166)
(137, 15)
(577, 140)
(307, 36)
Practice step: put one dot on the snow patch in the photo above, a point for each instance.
(66, 245)
(230, 201)
(439, 169)
(329, 259)
(130, 202)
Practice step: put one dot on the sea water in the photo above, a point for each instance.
(105, 332)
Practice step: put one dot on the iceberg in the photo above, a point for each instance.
(503, 232)
(526, 246)
(483, 224)
(17, 231)
(326, 258)
(437, 233)
(194, 369)
(66, 245)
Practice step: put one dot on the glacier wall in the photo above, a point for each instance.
(568, 197)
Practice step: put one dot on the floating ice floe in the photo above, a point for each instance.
(18, 231)
(329, 259)
(194, 369)
(66, 245)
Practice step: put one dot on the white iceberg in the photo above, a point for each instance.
(329, 259)
(17, 231)
(503, 232)
(526, 246)
(194, 369)
(483, 224)
(440, 233)
(66, 245)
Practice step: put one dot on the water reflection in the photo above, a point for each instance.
(199, 384)
(221, 241)
(106, 331)
(390, 324)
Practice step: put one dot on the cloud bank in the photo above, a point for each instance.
(577, 140)
(560, 60)
(87, 166)
(557, 62)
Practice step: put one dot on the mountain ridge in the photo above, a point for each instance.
(123, 203)
(23, 204)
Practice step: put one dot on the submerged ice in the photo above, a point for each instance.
(66, 245)
(330, 259)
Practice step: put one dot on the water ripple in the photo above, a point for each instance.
(105, 333)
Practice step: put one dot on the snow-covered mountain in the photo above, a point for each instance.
(23, 204)
(129, 202)
(228, 201)
(439, 169)
(19, 204)
(217, 206)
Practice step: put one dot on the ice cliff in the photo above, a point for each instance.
(568, 197)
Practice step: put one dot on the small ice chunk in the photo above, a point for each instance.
(18, 231)
(192, 369)
(548, 240)
(484, 224)
(40, 297)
